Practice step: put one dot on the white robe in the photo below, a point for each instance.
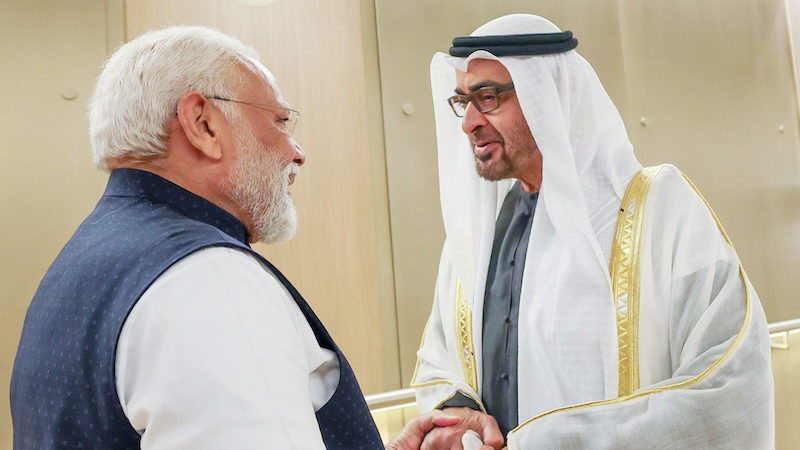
(703, 348)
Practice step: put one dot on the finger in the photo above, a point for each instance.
(412, 435)
(428, 421)
(443, 439)
(492, 436)
(443, 420)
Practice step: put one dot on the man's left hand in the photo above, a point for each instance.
(411, 436)
(451, 437)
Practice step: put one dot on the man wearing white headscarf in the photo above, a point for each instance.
(582, 301)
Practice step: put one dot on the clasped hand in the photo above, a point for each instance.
(444, 430)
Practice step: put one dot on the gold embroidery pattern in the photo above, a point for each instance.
(625, 277)
(691, 381)
(464, 334)
(463, 325)
(416, 365)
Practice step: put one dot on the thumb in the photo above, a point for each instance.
(492, 436)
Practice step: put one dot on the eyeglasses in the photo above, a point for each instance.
(485, 99)
(288, 123)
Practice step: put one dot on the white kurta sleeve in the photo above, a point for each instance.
(211, 357)
(439, 374)
(704, 355)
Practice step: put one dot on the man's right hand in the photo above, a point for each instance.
(450, 437)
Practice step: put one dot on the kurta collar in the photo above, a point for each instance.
(139, 183)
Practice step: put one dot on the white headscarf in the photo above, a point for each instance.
(567, 319)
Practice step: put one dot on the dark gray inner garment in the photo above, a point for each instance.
(501, 310)
(501, 306)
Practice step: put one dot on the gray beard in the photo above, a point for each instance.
(501, 170)
(260, 187)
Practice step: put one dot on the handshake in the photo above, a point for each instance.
(452, 428)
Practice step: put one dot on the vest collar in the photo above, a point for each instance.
(143, 184)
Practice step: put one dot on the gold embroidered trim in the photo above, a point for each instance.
(430, 383)
(416, 366)
(624, 270)
(463, 324)
(711, 368)
(450, 383)
(464, 333)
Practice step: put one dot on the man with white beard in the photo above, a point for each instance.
(157, 326)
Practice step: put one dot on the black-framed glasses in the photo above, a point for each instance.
(485, 99)
(289, 123)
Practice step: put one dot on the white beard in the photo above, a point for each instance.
(260, 187)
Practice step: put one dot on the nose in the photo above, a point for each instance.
(299, 155)
(473, 119)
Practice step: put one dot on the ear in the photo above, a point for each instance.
(201, 122)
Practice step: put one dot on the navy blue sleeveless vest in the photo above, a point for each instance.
(63, 388)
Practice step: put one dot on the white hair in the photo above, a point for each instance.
(137, 93)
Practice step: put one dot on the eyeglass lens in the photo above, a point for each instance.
(289, 123)
(485, 99)
(291, 120)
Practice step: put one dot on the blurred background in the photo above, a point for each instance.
(709, 86)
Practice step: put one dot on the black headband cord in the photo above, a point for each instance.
(515, 44)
